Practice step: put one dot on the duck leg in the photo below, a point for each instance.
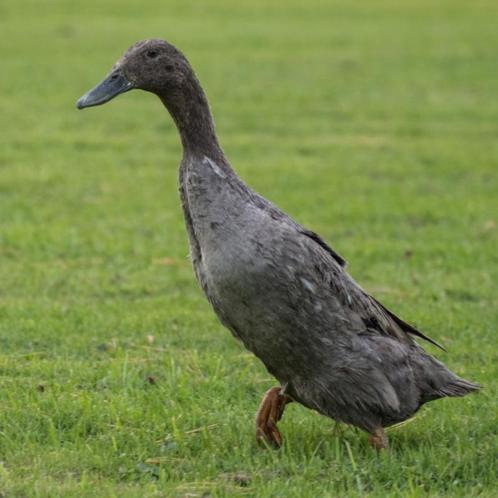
(378, 439)
(270, 411)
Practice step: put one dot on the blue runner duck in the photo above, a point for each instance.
(278, 287)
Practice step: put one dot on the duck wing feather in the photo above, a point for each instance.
(375, 315)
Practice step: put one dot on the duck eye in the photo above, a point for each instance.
(152, 54)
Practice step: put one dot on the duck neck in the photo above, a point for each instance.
(189, 109)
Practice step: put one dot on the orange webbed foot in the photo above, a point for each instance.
(270, 411)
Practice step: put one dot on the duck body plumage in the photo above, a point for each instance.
(278, 286)
(287, 296)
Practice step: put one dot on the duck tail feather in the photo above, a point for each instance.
(458, 387)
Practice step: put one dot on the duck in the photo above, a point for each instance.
(277, 286)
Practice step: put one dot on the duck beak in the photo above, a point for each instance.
(113, 85)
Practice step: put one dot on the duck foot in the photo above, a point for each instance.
(378, 439)
(270, 411)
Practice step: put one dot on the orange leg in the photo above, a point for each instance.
(378, 439)
(270, 411)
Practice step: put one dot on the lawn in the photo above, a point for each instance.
(374, 123)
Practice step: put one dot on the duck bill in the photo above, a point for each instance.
(112, 86)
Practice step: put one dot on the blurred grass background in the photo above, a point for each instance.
(374, 123)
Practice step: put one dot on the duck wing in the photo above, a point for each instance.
(331, 268)
(376, 317)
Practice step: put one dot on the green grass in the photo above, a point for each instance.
(373, 123)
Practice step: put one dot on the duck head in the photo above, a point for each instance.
(157, 66)
(152, 65)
